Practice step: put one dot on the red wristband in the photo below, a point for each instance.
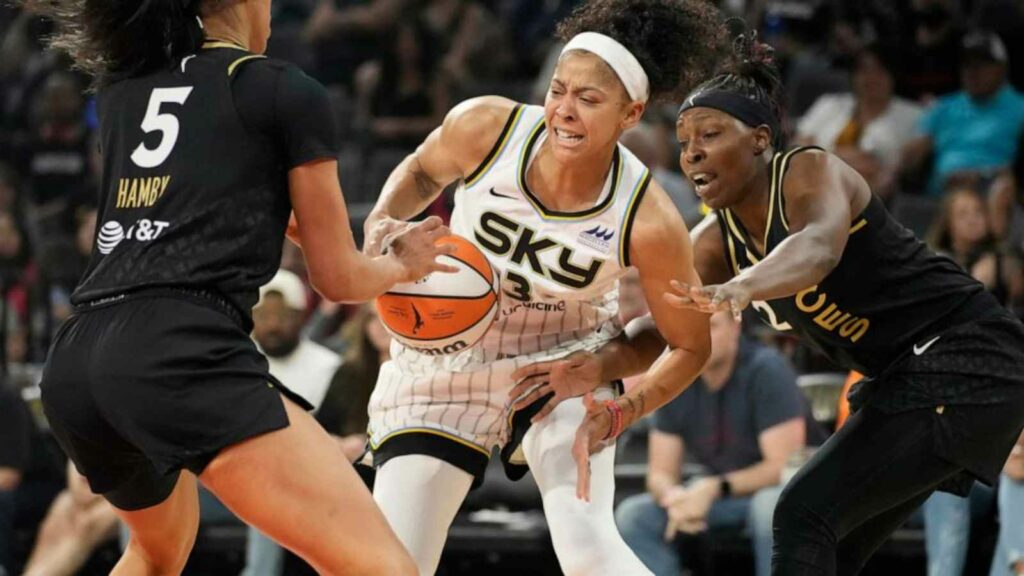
(615, 411)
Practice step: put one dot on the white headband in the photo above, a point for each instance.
(621, 60)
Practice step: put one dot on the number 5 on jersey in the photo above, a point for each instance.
(167, 124)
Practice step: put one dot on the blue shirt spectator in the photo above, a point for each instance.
(720, 428)
(973, 135)
(743, 419)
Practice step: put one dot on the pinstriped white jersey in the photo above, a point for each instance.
(559, 288)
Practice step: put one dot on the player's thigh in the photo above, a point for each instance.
(166, 531)
(297, 488)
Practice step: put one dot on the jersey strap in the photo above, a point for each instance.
(499, 146)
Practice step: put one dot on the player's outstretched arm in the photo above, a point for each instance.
(660, 248)
(337, 269)
(449, 153)
(819, 189)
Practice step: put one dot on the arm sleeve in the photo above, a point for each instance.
(282, 101)
(777, 397)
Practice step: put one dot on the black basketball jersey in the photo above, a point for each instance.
(888, 291)
(195, 163)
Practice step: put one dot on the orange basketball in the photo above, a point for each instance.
(443, 313)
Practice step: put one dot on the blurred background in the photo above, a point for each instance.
(920, 96)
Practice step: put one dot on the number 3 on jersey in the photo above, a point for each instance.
(167, 124)
(518, 286)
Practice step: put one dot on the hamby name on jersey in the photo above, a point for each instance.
(141, 192)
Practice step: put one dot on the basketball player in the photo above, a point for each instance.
(153, 381)
(799, 236)
(562, 211)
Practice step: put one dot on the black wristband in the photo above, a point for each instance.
(724, 487)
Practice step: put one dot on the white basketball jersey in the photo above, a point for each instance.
(559, 292)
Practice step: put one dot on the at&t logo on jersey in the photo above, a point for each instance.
(112, 233)
(597, 238)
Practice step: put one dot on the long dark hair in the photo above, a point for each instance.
(112, 40)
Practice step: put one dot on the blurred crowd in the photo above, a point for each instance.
(923, 97)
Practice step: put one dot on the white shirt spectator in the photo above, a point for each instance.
(883, 137)
(307, 371)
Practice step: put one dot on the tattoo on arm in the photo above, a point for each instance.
(635, 406)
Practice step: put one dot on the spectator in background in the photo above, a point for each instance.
(400, 97)
(302, 365)
(867, 127)
(346, 33)
(17, 268)
(471, 46)
(344, 415)
(56, 159)
(742, 419)
(15, 436)
(1009, 555)
(76, 524)
(10, 199)
(972, 134)
(932, 44)
(963, 233)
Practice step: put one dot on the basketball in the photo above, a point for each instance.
(444, 313)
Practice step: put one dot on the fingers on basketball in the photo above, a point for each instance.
(444, 313)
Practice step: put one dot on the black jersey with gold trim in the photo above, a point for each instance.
(194, 190)
(887, 292)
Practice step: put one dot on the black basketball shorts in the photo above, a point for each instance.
(141, 387)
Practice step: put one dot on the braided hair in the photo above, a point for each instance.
(750, 72)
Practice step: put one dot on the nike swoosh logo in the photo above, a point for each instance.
(493, 193)
(918, 350)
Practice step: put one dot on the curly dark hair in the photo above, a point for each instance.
(676, 41)
(750, 71)
(116, 39)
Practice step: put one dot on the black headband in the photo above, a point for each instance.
(746, 110)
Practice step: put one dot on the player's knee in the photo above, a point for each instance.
(161, 556)
(797, 515)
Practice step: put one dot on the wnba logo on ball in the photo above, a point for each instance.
(449, 349)
(111, 234)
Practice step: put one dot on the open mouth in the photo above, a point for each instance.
(567, 137)
(701, 181)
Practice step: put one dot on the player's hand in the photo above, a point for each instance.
(382, 233)
(590, 438)
(568, 377)
(417, 250)
(732, 296)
